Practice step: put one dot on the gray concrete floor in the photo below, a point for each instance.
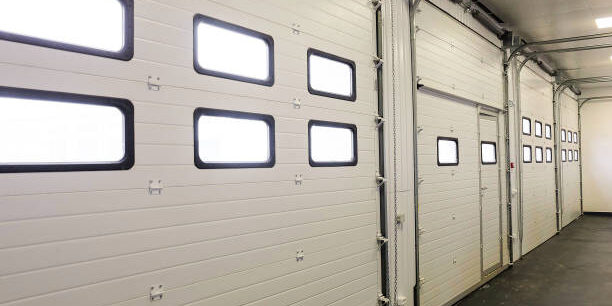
(572, 268)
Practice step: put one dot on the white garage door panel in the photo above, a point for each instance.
(213, 236)
(539, 206)
(571, 170)
(453, 59)
(449, 243)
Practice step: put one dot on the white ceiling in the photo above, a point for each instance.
(537, 20)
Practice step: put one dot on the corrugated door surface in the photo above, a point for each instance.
(538, 180)
(213, 236)
(458, 69)
(571, 169)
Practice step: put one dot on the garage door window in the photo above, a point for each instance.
(548, 131)
(230, 139)
(563, 135)
(549, 155)
(488, 153)
(50, 131)
(331, 76)
(526, 154)
(538, 129)
(526, 126)
(539, 155)
(97, 27)
(563, 155)
(448, 151)
(569, 136)
(332, 144)
(570, 155)
(230, 51)
(575, 137)
(576, 155)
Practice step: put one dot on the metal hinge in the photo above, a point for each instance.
(153, 85)
(378, 62)
(380, 180)
(155, 187)
(379, 121)
(156, 293)
(381, 239)
(383, 300)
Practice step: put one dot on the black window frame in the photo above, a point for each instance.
(551, 155)
(575, 137)
(535, 130)
(563, 156)
(481, 157)
(125, 54)
(456, 140)
(333, 124)
(535, 154)
(530, 154)
(123, 105)
(523, 130)
(269, 119)
(548, 127)
(351, 63)
(563, 135)
(199, 18)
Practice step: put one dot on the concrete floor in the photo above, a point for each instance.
(572, 268)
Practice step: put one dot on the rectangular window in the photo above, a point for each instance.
(563, 135)
(538, 129)
(549, 155)
(332, 144)
(570, 155)
(448, 151)
(539, 155)
(526, 126)
(576, 155)
(575, 137)
(488, 153)
(548, 131)
(96, 27)
(526, 154)
(331, 76)
(42, 131)
(231, 139)
(563, 155)
(233, 52)
(569, 136)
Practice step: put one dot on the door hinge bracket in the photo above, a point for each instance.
(153, 83)
(379, 120)
(380, 180)
(376, 3)
(378, 62)
(383, 300)
(156, 293)
(381, 239)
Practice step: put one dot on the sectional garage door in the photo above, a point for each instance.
(538, 174)
(269, 224)
(459, 197)
(571, 167)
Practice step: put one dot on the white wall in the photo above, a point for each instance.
(596, 142)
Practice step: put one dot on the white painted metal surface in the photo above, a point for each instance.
(538, 180)
(490, 195)
(571, 169)
(212, 237)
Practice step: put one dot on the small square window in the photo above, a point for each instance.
(448, 151)
(96, 27)
(563, 135)
(332, 144)
(526, 154)
(576, 155)
(563, 155)
(331, 76)
(575, 137)
(569, 136)
(548, 131)
(538, 155)
(549, 155)
(231, 139)
(488, 152)
(233, 52)
(538, 129)
(526, 126)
